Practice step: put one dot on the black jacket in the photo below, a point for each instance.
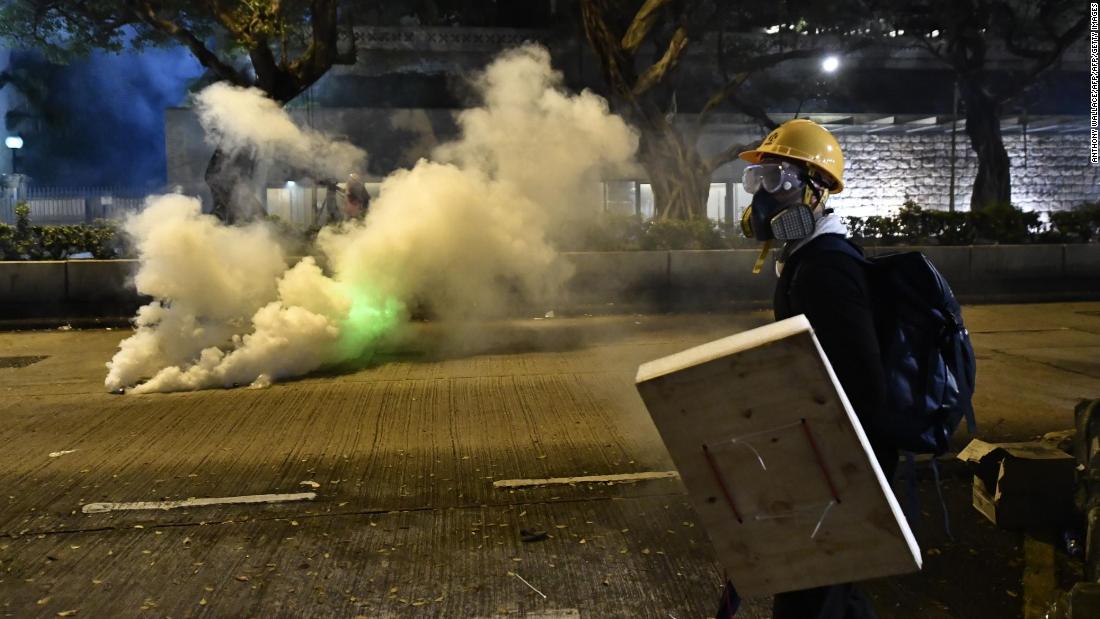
(833, 291)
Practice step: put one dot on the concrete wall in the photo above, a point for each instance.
(616, 281)
(68, 288)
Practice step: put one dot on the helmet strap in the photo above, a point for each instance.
(759, 265)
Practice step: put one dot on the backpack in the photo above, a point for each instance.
(926, 352)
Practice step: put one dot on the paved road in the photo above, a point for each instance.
(402, 451)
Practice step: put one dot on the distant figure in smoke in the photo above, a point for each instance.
(354, 205)
(228, 176)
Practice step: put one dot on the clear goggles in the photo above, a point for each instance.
(771, 177)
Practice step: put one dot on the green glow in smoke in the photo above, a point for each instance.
(371, 316)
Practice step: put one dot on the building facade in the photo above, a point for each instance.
(398, 102)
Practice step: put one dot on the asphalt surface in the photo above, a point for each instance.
(402, 451)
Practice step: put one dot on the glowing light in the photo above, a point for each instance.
(935, 33)
(13, 142)
(290, 184)
(369, 318)
(771, 29)
(830, 64)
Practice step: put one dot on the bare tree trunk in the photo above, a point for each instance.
(993, 184)
(679, 176)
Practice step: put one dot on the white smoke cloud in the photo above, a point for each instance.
(237, 119)
(465, 234)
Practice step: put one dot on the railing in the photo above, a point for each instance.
(72, 205)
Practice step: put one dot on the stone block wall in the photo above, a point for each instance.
(1050, 171)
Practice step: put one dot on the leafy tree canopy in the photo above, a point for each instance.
(289, 44)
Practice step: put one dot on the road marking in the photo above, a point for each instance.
(621, 478)
(99, 508)
(1038, 577)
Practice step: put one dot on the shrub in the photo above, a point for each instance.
(1003, 223)
(1080, 224)
(25, 241)
(683, 234)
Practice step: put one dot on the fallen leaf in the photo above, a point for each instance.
(68, 613)
(44, 601)
(242, 578)
(310, 483)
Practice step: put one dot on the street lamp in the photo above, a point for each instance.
(14, 142)
(830, 64)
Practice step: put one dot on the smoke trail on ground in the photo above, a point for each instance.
(464, 233)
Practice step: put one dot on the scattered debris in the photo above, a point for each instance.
(530, 535)
(619, 478)
(58, 454)
(524, 581)
(99, 508)
(68, 613)
(310, 483)
(263, 381)
(65, 328)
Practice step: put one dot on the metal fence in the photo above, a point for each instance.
(71, 205)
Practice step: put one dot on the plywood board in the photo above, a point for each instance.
(776, 462)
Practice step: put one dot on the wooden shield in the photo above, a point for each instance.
(776, 462)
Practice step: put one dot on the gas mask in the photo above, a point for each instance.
(780, 209)
(767, 218)
(782, 205)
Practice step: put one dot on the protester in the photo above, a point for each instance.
(791, 175)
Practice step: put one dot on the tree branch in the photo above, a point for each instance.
(145, 11)
(1042, 65)
(642, 24)
(323, 50)
(663, 67)
(617, 70)
(727, 155)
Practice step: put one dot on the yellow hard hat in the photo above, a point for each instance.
(804, 140)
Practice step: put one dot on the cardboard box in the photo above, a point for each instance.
(1021, 485)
